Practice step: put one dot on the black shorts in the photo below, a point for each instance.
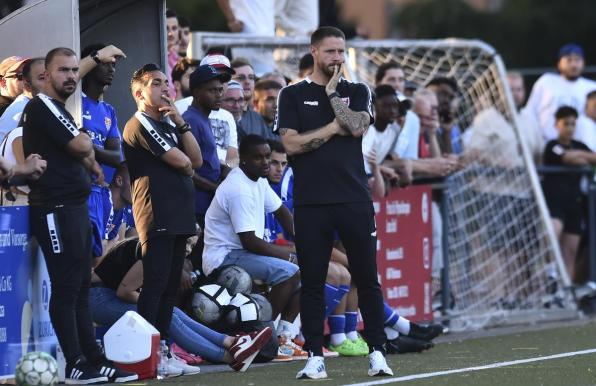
(569, 210)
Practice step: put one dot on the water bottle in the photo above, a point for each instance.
(162, 360)
(61, 361)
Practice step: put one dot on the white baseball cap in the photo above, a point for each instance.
(218, 61)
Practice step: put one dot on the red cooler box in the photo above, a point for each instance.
(133, 343)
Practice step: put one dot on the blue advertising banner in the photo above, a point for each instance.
(15, 288)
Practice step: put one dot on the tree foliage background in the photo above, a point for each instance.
(527, 33)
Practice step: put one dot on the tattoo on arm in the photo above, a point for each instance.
(313, 144)
(282, 131)
(355, 121)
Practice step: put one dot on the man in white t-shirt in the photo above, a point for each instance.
(222, 122)
(254, 17)
(235, 225)
(586, 123)
(568, 88)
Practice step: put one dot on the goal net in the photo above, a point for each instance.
(501, 260)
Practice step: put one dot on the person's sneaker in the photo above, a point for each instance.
(362, 346)
(425, 332)
(246, 347)
(378, 365)
(182, 354)
(114, 374)
(314, 369)
(288, 347)
(329, 354)
(406, 344)
(175, 363)
(82, 373)
(347, 349)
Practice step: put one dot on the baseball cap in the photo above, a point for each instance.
(218, 61)
(571, 49)
(204, 74)
(10, 66)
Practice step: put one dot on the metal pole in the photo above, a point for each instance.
(592, 228)
(445, 283)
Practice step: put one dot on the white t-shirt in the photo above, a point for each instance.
(9, 120)
(258, 18)
(585, 131)
(406, 146)
(239, 206)
(223, 127)
(552, 91)
(296, 18)
(382, 142)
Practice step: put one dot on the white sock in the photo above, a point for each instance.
(337, 339)
(285, 328)
(391, 333)
(402, 326)
(352, 335)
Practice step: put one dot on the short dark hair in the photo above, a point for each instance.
(383, 68)
(591, 94)
(138, 75)
(241, 62)
(183, 22)
(267, 84)
(276, 146)
(443, 80)
(90, 48)
(325, 32)
(306, 61)
(384, 90)
(171, 13)
(58, 51)
(26, 71)
(182, 65)
(249, 142)
(565, 112)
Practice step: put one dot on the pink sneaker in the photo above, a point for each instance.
(185, 356)
(246, 347)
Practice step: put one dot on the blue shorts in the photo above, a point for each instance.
(270, 270)
(100, 210)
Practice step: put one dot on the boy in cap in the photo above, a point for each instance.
(568, 88)
(11, 80)
(207, 87)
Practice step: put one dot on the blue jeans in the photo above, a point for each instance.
(107, 308)
(270, 270)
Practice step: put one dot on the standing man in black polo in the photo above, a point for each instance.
(59, 218)
(321, 121)
(161, 159)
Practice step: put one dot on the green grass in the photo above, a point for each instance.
(450, 354)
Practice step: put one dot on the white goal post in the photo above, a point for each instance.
(503, 260)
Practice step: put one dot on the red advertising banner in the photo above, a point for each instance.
(404, 250)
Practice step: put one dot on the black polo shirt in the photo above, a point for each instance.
(47, 128)
(333, 173)
(163, 198)
(118, 261)
(562, 186)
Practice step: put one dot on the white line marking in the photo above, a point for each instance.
(475, 368)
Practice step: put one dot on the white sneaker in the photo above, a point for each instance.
(314, 369)
(377, 365)
(184, 369)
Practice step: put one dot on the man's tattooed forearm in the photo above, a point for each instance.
(354, 121)
(313, 144)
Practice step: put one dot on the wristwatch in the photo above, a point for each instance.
(95, 56)
(333, 95)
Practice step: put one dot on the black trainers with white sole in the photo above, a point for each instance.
(114, 374)
(82, 373)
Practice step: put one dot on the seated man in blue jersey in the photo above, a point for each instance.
(117, 208)
(233, 235)
(100, 121)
